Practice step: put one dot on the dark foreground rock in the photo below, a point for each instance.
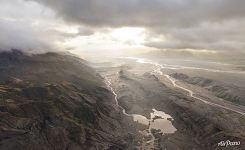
(55, 101)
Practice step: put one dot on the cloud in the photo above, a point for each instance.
(85, 31)
(183, 23)
(176, 24)
(63, 35)
(20, 27)
(20, 35)
(33, 28)
(226, 36)
(145, 12)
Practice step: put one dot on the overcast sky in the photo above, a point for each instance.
(127, 25)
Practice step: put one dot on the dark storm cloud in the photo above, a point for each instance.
(181, 21)
(193, 24)
(146, 12)
(215, 36)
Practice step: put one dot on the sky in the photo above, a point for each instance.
(123, 26)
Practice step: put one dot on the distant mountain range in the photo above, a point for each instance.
(233, 58)
(227, 92)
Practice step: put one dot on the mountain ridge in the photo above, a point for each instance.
(56, 101)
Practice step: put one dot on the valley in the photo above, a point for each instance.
(138, 98)
(59, 101)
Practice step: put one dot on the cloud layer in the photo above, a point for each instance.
(156, 13)
(21, 26)
(195, 24)
(169, 24)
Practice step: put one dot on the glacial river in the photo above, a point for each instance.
(159, 121)
(173, 81)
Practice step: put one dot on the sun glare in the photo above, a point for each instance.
(114, 40)
(129, 35)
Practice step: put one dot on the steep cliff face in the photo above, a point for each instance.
(55, 101)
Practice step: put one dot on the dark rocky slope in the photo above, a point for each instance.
(230, 93)
(55, 101)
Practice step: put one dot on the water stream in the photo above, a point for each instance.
(190, 93)
(159, 121)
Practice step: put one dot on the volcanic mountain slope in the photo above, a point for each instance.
(55, 101)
